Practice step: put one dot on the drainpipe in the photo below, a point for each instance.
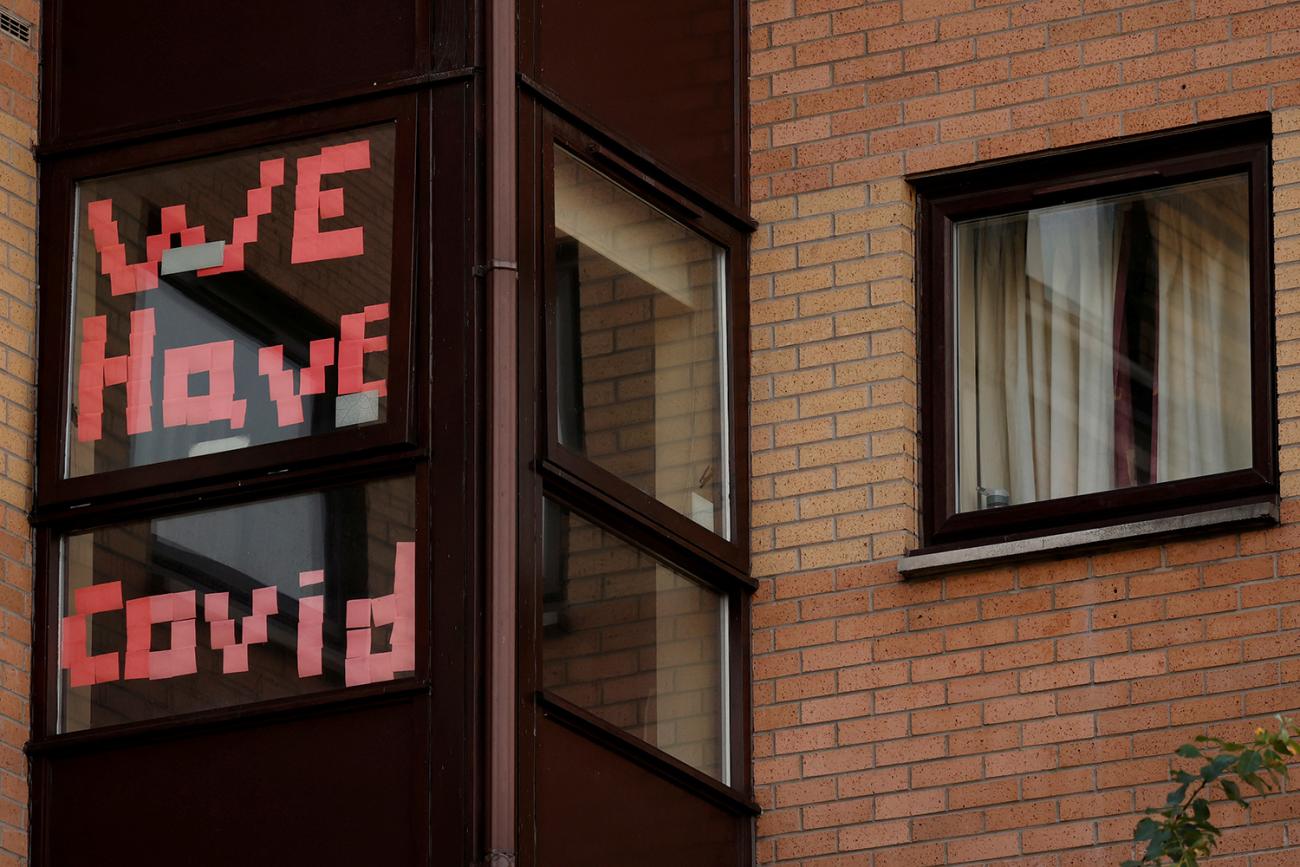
(502, 453)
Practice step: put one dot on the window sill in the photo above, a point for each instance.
(921, 562)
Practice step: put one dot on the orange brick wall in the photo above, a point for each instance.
(1024, 713)
(18, 83)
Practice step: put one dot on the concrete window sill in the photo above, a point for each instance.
(922, 563)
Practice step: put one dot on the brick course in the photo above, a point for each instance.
(1024, 713)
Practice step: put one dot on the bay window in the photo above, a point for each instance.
(231, 478)
(639, 561)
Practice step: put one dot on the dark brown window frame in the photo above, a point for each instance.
(551, 471)
(444, 494)
(45, 735)
(562, 462)
(58, 201)
(737, 640)
(1126, 166)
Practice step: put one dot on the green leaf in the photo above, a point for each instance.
(1154, 850)
(1146, 829)
(1233, 791)
(1249, 763)
(1217, 767)
(1256, 783)
(1200, 810)
(1184, 777)
(1177, 795)
(1188, 751)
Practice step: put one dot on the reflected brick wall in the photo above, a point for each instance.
(635, 644)
(637, 341)
(650, 386)
(645, 330)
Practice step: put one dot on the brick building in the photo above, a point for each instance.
(1024, 711)
(638, 593)
(18, 116)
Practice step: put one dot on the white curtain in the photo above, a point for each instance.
(1037, 347)
(1042, 299)
(1203, 373)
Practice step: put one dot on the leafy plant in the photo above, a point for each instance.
(1181, 831)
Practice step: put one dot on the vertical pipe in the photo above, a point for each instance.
(502, 355)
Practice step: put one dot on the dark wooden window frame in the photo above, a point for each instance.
(735, 645)
(319, 464)
(58, 200)
(1126, 166)
(559, 461)
(550, 471)
(45, 736)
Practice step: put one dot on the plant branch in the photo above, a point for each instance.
(1183, 832)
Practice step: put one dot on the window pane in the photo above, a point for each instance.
(231, 301)
(640, 344)
(236, 605)
(633, 641)
(1104, 344)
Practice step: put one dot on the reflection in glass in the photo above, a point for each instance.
(634, 642)
(353, 543)
(1103, 344)
(197, 267)
(640, 367)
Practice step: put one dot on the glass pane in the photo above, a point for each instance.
(1104, 344)
(640, 360)
(231, 301)
(236, 605)
(634, 642)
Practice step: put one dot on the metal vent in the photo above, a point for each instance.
(15, 27)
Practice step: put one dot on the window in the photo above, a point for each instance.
(1098, 338)
(230, 480)
(640, 345)
(640, 571)
(228, 308)
(638, 644)
(195, 320)
(257, 601)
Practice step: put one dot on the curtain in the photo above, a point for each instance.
(1042, 356)
(1042, 297)
(1203, 386)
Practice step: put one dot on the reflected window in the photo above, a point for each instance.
(634, 641)
(640, 345)
(237, 605)
(231, 301)
(1104, 344)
